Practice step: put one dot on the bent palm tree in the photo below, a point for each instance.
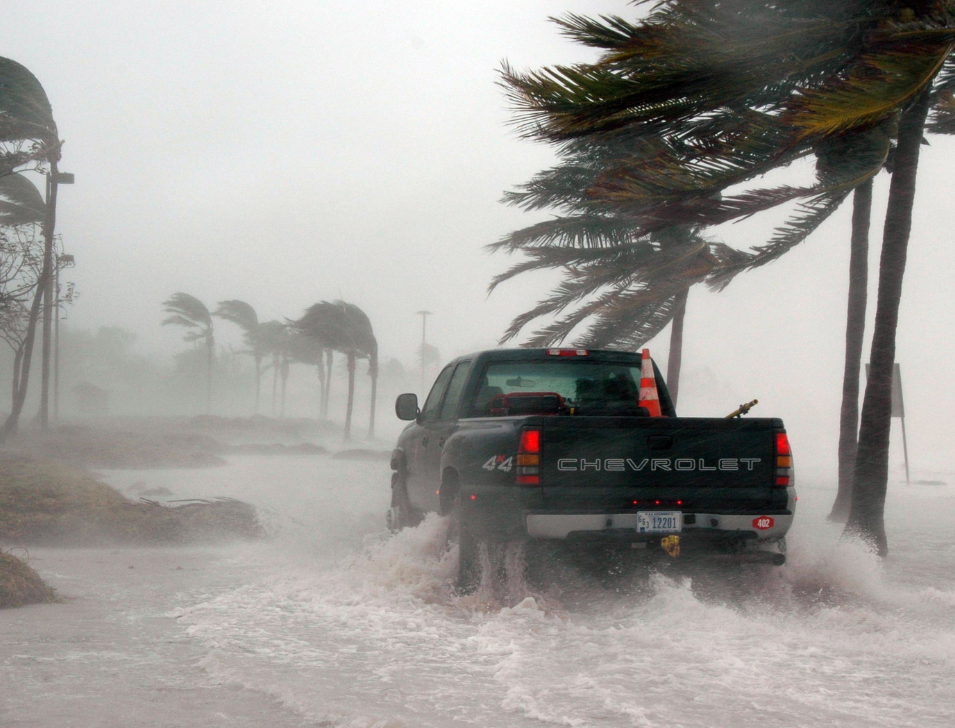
(191, 313)
(274, 340)
(244, 316)
(28, 133)
(345, 328)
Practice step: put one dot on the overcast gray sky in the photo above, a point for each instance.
(288, 153)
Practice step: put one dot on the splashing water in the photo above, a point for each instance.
(349, 625)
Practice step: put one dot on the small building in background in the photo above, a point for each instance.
(90, 400)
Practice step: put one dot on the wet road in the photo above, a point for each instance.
(335, 622)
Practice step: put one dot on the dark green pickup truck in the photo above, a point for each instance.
(554, 444)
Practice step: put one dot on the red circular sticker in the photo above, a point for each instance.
(763, 522)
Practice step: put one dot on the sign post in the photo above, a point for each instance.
(898, 410)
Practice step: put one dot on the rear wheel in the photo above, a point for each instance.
(469, 564)
(401, 514)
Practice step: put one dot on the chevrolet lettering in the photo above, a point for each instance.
(620, 465)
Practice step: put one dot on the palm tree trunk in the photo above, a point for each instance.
(320, 367)
(16, 407)
(328, 383)
(866, 513)
(373, 373)
(275, 382)
(285, 371)
(855, 331)
(258, 382)
(351, 394)
(210, 353)
(675, 360)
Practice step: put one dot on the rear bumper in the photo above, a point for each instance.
(615, 526)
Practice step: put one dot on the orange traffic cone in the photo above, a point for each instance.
(648, 387)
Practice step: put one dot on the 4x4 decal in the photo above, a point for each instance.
(499, 462)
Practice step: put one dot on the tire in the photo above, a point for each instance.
(469, 562)
(401, 515)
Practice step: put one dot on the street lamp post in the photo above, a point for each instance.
(424, 327)
(53, 180)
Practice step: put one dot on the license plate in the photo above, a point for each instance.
(659, 521)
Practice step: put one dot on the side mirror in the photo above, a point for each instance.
(406, 407)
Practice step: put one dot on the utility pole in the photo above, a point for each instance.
(53, 180)
(62, 261)
(424, 328)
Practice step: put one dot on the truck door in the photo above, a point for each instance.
(441, 428)
(420, 439)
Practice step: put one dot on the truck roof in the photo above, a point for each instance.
(523, 354)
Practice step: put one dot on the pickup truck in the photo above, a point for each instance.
(554, 444)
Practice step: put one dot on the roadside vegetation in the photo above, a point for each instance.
(20, 584)
(45, 502)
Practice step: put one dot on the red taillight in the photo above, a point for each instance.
(528, 457)
(567, 352)
(530, 442)
(784, 461)
(782, 444)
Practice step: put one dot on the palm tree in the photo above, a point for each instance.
(309, 350)
(243, 315)
(28, 134)
(813, 72)
(344, 327)
(273, 338)
(191, 313)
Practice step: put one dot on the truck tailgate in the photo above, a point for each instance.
(596, 463)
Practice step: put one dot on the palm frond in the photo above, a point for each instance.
(20, 201)
(187, 311)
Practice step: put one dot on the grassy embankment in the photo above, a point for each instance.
(44, 502)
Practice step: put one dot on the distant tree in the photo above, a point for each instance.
(244, 316)
(274, 340)
(345, 328)
(191, 313)
(309, 350)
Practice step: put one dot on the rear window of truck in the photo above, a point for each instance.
(589, 387)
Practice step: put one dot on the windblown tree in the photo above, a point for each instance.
(191, 313)
(22, 265)
(310, 351)
(274, 340)
(28, 136)
(244, 316)
(345, 328)
(727, 90)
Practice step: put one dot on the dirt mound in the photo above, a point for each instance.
(47, 502)
(20, 584)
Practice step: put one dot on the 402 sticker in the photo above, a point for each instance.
(499, 462)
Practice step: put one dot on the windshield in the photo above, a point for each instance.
(589, 387)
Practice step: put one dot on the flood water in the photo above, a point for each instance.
(335, 622)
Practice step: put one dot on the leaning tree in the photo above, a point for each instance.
(345, 328)
(28, 136)
(191, 313)
(244, 316)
